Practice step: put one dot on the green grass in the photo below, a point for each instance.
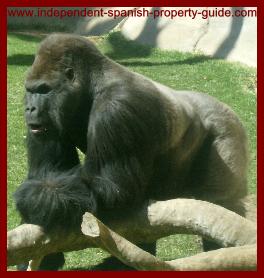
(231, 83)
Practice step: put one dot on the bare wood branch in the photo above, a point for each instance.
(28, 242)
(118, 246)
(154, 221)
(202, 218)
(232, 258)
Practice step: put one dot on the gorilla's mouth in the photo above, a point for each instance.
(37, 128)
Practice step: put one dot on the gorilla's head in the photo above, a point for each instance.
(59, 82)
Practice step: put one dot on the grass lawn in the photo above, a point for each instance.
(231, 83)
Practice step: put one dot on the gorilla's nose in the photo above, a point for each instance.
(34, 104)
(31, 109)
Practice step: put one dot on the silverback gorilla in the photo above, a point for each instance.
(141, 140)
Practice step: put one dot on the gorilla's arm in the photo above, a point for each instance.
(54, 181)
(115, 174)
(57, 200)
(49, 155)
(123, 139)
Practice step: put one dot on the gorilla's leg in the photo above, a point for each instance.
(149, 247)
(51, 262)
(113, 263)
(222, 179)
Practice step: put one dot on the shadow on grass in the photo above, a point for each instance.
(112, 264)
(20, 59)
(122, 49)
(109, 264)
(188, 61)
(27, 36)
(23, 59)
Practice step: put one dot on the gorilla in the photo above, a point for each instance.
(141, 140)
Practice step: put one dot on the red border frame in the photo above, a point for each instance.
(114, 3)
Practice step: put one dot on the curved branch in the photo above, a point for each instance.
(233, 258)
(152, 222)
(118, 246)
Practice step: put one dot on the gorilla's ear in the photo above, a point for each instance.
(69, 72)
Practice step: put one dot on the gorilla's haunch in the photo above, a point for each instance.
(141, 140)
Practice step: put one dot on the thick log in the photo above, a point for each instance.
(154, 221)
(233, 258)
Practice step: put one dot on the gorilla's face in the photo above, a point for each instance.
(52, 92)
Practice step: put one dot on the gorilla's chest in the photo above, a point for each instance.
(78, 136)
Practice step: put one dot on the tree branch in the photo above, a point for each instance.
(235, 258)
(152, 222)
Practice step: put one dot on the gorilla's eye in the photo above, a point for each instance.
(69, 73)
(43, 89)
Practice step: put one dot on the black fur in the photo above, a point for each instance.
(141, 140)
(58, 200)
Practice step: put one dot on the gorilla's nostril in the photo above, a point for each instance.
(30, 109)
